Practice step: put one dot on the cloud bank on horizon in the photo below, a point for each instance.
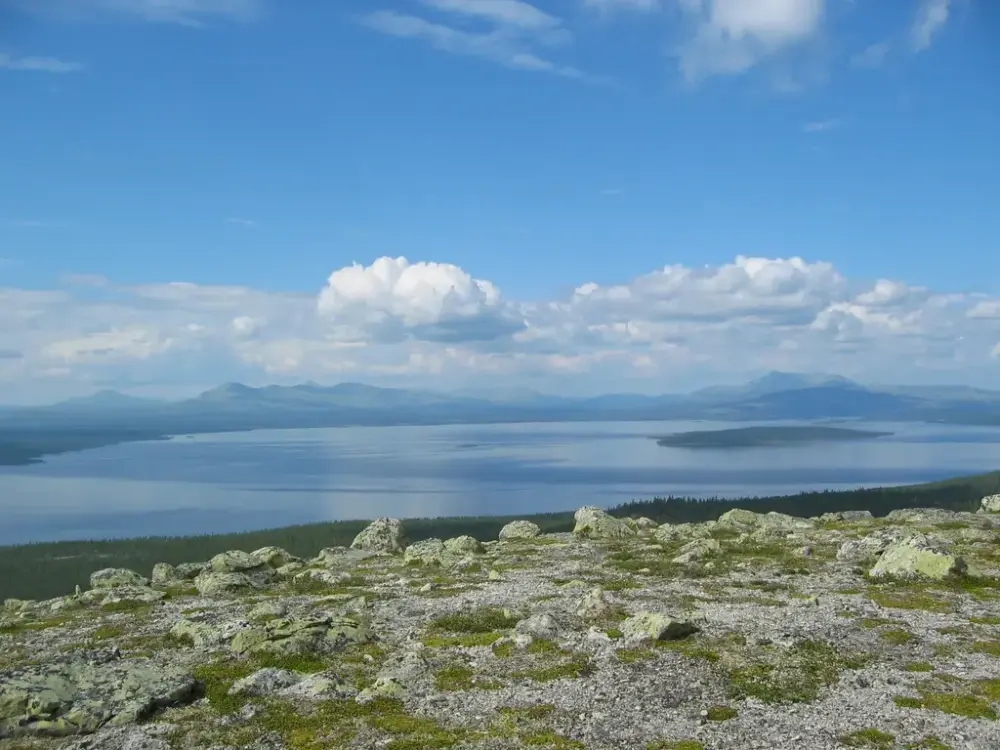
(433, 323)
(403, 318)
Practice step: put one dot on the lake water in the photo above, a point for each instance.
(255, 480)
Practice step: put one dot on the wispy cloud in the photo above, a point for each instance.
(872, 56)
(185, 12)
(822, 126)
(514, 35)
(931, 17)
(36, 64)
(247, 223)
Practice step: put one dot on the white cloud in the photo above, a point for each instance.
(931, 18)
(435, 323)
(392, 299)
(504, 12)
(38, 64)
(513, 34)
(732, 36)
(245, 223)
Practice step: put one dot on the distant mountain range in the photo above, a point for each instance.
(775, 396)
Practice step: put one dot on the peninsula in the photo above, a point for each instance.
(755, 437)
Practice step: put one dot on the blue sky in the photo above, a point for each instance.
(590, 177)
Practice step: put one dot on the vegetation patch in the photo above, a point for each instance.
(675, 745)
(721, 713)
(572, 669)
(897, 636)
(483, 620)
(461, 677)
(868, 738)
(971, 698)
(467, 640)
(991, 648)
(919, 666)
(794, 676)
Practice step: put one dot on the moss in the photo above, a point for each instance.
(722, 713)
(461, 677)
(573, 669)
(868, 738)
(531, 713)
(128, 606)
(544, 646)
(897, 637)
(985, 620)
(504, 650)
(675, 745)
(928, 743)
(633, 655)
(796, 676)
(970, 698)
(216, 678)
(914, 599)
(919, 666)
(614, 634)
(467, 640)
(992, 648)
(550, 739)
(483, 620)
(107, 631)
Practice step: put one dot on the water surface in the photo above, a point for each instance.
(253, 480)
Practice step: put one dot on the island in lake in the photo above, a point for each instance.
(755, 437)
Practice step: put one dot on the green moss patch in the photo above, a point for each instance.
(874, 738)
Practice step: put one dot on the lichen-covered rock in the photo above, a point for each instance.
(326, 577)
(539, 626)
(397, 678)
(234, 561)
(381, 535)
(850, 516)
(462, 546)
(657, 627)
(872, 545)
(189, 571)
(646, 524)
(696, 550)
(425, 552)
(738, 519)
(109, 578)
(273, 557)
(918, 556)
(201, 630)
(519, 530)
(164, 573)
(80, 697)
(593, 604)
(283, 683)
(592, 521)
(668, 533)
(209, 583)
(990, 504)
(307, 635)
(132, 595)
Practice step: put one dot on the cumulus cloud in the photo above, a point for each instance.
(732, 36)
(435, 323)
(393, 299)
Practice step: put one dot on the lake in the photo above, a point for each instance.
(255, 480)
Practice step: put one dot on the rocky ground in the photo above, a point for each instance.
(753, 631)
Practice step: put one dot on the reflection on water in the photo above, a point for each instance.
(240, 481)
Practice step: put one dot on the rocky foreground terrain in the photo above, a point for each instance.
(752, 631)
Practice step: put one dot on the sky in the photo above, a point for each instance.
(576, 196)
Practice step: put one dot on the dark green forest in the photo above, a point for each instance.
(44, 570)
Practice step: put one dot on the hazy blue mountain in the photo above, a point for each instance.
(772, 382)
